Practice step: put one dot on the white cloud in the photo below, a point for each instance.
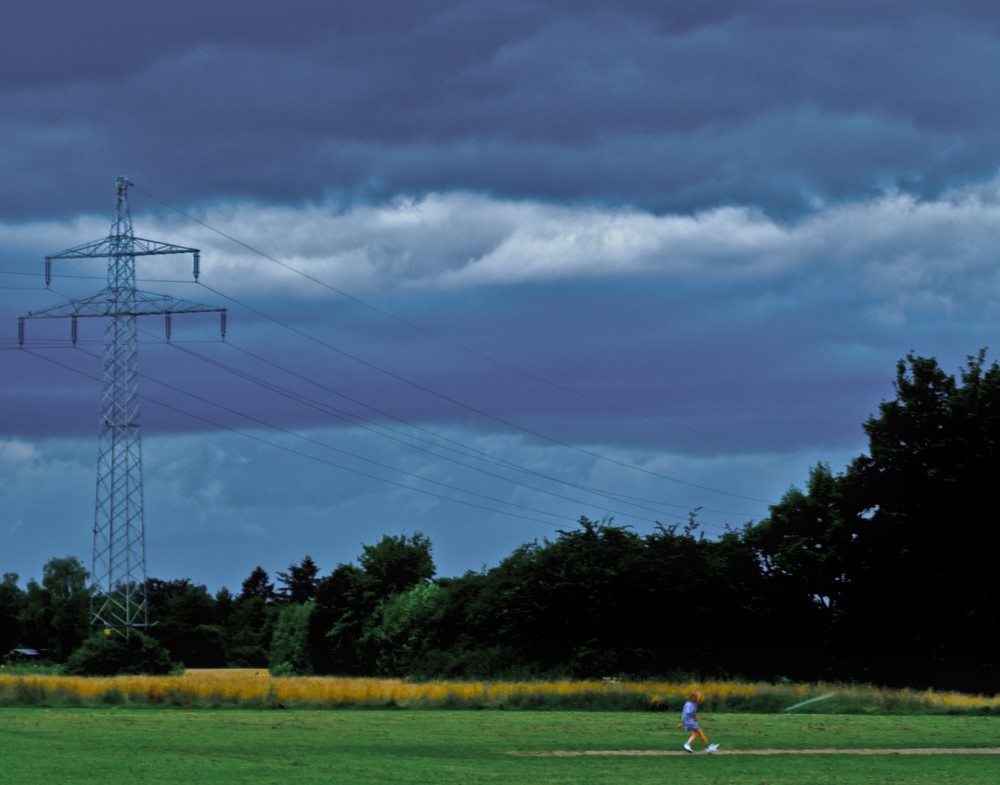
(903, 254)
(38, 238)
(16, 453)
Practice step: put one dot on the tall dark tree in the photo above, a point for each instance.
(337, 623)
(258, 585)
(252, 621)
(298, 584)
(223, 609)
(811, 557)
(901, 581)
(809, 541)
(11, 603)
(928, 598)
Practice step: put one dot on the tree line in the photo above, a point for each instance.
(882, 573)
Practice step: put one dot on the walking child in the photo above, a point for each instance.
(689, 721)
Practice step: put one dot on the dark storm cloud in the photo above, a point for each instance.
(772, 103)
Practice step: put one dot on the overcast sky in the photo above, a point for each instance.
(488, 266)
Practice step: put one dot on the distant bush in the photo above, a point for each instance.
(111, 655)
(20, 668)
(283, 669)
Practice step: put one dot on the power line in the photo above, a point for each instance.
(463, 450)
(400, 438)
(75, 176)
(317, 459)
(443, 339)
(471, 408)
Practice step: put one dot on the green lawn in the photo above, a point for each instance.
(297, 747)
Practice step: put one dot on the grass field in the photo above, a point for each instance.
(118, 745)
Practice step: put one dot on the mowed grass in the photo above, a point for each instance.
(120, 745)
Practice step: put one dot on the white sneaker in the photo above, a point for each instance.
(688, 747)
(711, 748)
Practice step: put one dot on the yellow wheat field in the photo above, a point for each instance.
(241, 685)
(250, 686)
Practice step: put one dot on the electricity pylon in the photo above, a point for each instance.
(118, 575)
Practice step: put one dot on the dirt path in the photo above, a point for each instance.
(905, 751)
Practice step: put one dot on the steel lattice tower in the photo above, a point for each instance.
(118, 575)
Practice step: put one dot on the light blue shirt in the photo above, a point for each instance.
(687, 716)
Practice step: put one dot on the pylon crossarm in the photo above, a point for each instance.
(94, 305)
(108, 302)
(114, 247)
(147, 303)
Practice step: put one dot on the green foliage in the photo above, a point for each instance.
(283, 669)
(403, 628)
(109, 654)
(54, 614)
(290, 641)
(342, 630)
(597, 600)
(185, 623)
(394, 564)
(15, 666)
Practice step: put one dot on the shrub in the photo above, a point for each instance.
(283, 669)
(105, 654)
